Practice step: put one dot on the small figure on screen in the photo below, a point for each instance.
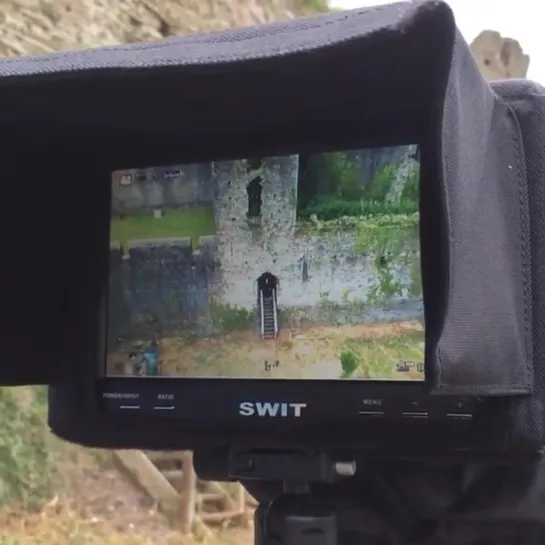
(136, 366)
(151, 357)
(271, 365)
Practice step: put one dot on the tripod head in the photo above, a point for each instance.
(297, 516)
(316, 497)
(309, 510)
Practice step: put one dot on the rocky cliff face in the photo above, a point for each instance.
(499, 57)
(44, 26)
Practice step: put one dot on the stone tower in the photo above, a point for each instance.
(498, 57)
(279, 214)
(255, 212)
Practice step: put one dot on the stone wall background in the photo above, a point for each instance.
(165, 287)
(44, 26)
(161, 287)
(335, 268)
(162, 187)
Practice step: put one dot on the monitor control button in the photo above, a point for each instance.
(164, 402)
(163, 408)
(415, 414)
(460, 409)
(371, 413)
(459, 416)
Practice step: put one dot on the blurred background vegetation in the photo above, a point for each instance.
(331, 187)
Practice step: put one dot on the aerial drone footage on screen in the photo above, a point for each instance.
(303, 266)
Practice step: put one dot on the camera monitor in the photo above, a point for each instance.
(303, 266)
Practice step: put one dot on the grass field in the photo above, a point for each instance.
(187, 222)
(315, 352)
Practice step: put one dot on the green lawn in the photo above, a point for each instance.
(377, 358)
(188, 222)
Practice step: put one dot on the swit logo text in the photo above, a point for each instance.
(251, 408)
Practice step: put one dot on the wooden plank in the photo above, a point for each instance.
(211, 497)
(148, 477)
(157, 456)
(244, 518)
(172, 474)
(188, 495)
(221, 517)
(217, 488)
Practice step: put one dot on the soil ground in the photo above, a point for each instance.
(316, 352)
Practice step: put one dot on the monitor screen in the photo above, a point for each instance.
(303, 266)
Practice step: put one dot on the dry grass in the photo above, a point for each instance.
(313, 352)
(60, 524)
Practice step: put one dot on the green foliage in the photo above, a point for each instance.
(349, 363)
(380, 184)
(416, 277)
(377, 208)
(25, 460)
(335, 175)
(229, 318)
(328, 209)
(378, 356)
(324, 298)
(338, 190)
(411, 190)
(345, 174)
(376, 235)
(331, 209)
(328, 177)
(386, 287)
(384, 234)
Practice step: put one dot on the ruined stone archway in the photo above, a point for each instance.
(267, 283)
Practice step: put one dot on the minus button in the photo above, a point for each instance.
(415, 414)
